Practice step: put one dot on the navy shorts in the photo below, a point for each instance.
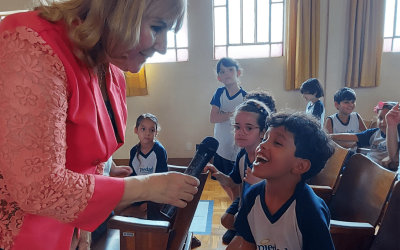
(234, 207)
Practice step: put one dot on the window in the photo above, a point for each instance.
(392, 27)
(177, 47)
(248, 28)
(6, 13)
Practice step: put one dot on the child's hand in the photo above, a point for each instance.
(250, 178)
(385, 162)
(120, 171)
(210, 167)
(393, 116)
(143, 207)
(213, 170)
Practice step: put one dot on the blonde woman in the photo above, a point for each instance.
(63, 114)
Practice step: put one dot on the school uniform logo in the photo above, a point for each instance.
(380, 147)
(266, 244)
(146, 170)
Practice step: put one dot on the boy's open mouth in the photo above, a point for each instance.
(261, 159)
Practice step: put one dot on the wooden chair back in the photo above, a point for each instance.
(356, 208)
(330, 173)
(324, 183)
(157, 232)
(367, 123)
(388, 236)
(362, 191)
(183, 219)
(373, 124)
(370, 123)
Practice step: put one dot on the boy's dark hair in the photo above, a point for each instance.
(344, 94)
(312, 86)
(311, 141)
(257, 107)
(263, 96)
(228, 62)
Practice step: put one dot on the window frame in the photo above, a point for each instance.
(241, 43)
(394, 36)
(175, 47)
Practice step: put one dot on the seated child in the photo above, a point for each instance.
(345, 120)
(282, 212)
(263, 96)
(249, 123)
(393, 136)
(148, 156)
(374, 138)
(312, 91)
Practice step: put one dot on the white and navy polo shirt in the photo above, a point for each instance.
(316, 109)
(301, 223)
(351, 126)
(375, 139)
(155, 161)
(223, 131)
(239, 168)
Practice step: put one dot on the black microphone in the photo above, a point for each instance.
(206, 151)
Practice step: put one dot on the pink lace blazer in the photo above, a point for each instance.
(55, 133)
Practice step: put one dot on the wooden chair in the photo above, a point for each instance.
(324, 184)
(156, 232)
(373, 124)
(358, 203)
(388, 236)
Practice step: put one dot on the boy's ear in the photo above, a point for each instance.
(218, 78)
(135, 130)
(301, 167)
(337, 105)
(239, 72)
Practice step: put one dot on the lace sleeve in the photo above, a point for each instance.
(33, 111)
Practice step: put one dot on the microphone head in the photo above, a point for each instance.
(209, 145)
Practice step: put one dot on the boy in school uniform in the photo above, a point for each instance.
(345, 120)
(374, 138)
(282, 212)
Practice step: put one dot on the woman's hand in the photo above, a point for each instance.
(250, 178)
(172, 188)
(385, 162)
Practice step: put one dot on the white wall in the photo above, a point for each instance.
(180, 93)
(8, 5)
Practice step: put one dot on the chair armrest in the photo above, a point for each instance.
(188, 243)
(363, 151)
(133, 224)
(338, 226)
(351, 235)
(323, 192)
(176, 168)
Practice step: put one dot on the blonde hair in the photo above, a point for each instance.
(108, 26)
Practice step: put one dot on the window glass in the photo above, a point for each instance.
(248, 28)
